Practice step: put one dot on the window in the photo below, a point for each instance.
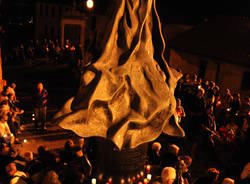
(245, 84)
(41, 9)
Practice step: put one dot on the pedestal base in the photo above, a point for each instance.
(117, 164)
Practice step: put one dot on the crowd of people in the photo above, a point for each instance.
(213, 120)
(52, 51)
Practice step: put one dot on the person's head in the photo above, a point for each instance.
(187, 160)
(216, 89)
(211, 84)
(236, 96)
(69, 144)
(194, 78)
(174, 149)
(4, 82)
(168, 175)
(178, 102)
(51, 177)
(186, 77)
(81, 142)
(3, 115)
(227, 181)
(228, 91)
(11, 169)
(199, 81)
(41, 150)
(200, 92)
(156, 146)
(13, 85)
(40, 87)
(28, 156)
(4, 148)
(213, 174)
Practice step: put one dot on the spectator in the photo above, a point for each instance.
(211, 177)
(184, 164)
(5, 134)
(170, 158)
(245, 174)
(235, 104)
(168, 175)
(51, 178)
(209, 126)
(154, 154)
(46, 158)
(180, 110)
(227, 99)
(16, 177)
(40, 106)
(227, 181)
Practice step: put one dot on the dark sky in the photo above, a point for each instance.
(204, 7)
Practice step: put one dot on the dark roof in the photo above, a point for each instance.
(223, 38)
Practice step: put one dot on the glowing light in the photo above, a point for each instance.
(148, 167)
(25, 141)
(33, 119)
(149, 177)
(145, 181)
(33, 115)
(122, 181)
(110, 180)
(93, 181)
(142, 173)
(100, 177)
(138, 176)
(90, 4)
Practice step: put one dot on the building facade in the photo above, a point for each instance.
(217, 51)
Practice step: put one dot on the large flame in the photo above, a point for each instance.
(127, 95)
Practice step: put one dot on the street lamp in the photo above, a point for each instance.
(90, 4)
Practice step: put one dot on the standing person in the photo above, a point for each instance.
(40, 106)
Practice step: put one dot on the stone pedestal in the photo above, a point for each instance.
(117, 164)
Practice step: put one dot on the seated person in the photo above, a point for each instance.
(15, 176)
(227, 181)
(211, 177)
(168, 175)
(5, 134)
